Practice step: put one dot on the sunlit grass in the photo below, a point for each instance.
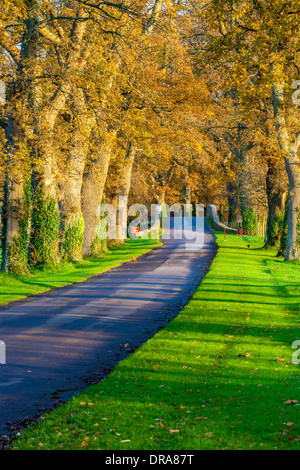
(217, 377)
(38, 281)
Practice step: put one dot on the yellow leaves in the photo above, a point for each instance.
(85, 442)
(12, 8)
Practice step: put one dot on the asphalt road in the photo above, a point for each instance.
(59, 342)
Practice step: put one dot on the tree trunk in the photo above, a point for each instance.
(46, 220)
(16, 205)
(292, 164)
(187, 193)
(17, 191)
(123, 192)
(161, 199)
(276, 188)
(45, 215)
(232, 199)
(94, 179)
(72, 223)
(293, 235)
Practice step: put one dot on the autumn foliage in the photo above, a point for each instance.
(162, 101)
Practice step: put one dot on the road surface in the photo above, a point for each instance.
(59, 342)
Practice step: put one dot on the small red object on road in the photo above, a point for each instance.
(241, 231)
(135, 229)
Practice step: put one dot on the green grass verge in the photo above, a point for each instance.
(13, 287)
(217, 377)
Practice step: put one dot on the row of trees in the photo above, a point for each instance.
(89, 88)
(160, 101)
(254, 46)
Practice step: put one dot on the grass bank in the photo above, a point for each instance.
(219, 376)
(13, 287)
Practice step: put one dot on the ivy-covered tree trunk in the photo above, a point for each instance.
(276, 188)
(46, 220)
(17, 191)
(16, 205)
(45, 228)
(15, 224)
(72, 222)
(45, 217)
(250, 221)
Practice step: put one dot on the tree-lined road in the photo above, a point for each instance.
(59, 342)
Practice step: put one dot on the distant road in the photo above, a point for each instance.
(59, 342)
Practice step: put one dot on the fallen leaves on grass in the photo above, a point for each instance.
(85, 442)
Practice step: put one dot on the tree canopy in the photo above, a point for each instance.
(162, 101)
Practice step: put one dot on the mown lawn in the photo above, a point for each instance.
(219, 376)
(38, 281)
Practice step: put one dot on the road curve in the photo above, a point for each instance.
(59, 342)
